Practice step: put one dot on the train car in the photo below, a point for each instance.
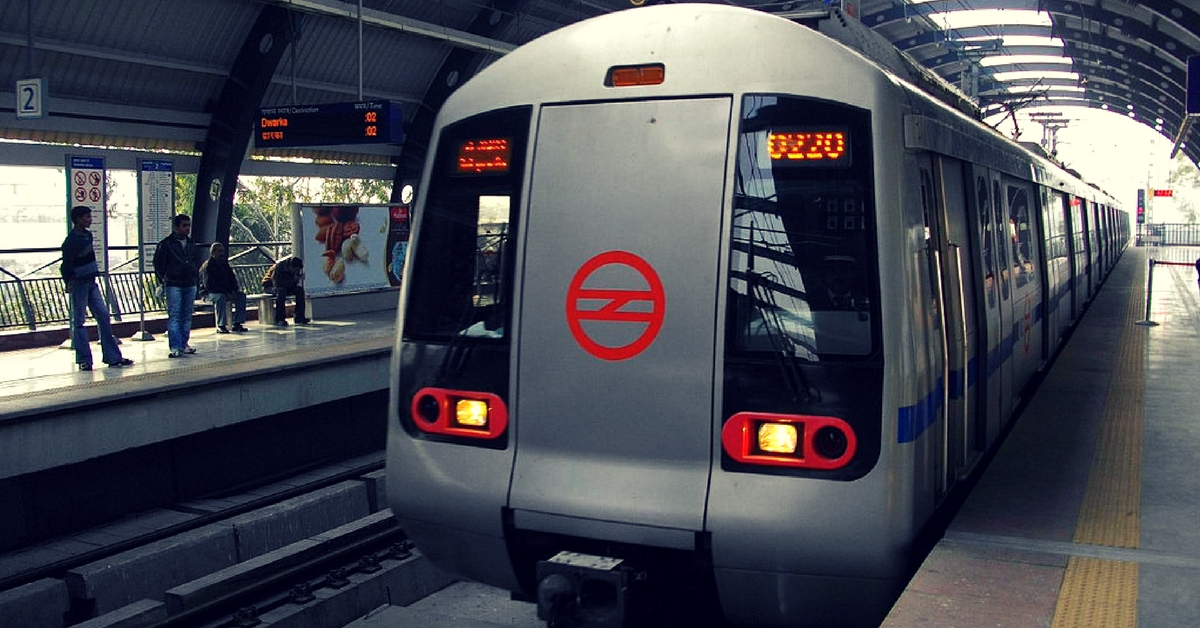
(697, 293)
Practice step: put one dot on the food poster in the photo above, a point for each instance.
(345, 247)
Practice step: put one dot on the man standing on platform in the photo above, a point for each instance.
(79, 271)
(176, 269)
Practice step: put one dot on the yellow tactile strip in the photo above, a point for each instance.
(1103, 593)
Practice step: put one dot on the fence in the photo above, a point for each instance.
(29, 303)
(1180, 234)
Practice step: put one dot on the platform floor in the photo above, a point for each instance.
(1089, 515)
(33, 378)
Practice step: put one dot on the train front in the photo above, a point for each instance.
(640, 335)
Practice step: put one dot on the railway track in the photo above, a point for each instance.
(319, 546)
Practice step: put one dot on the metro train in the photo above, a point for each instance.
(698, 293)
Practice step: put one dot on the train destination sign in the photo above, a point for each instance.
(482, 156)
(809, 146)
(368, 122)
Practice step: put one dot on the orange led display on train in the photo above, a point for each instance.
(807, 145)
(482, 156)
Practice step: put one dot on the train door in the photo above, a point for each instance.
(1082, 252)
(1004, 274)
(951, 233)
(937, 341)
(1027, 281)
(615, 356)
(991, 300)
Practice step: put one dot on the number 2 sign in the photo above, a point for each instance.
(30, 93)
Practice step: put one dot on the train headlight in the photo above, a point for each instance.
(777, 438)
(465, 413)
(471, 413)
(789, 440)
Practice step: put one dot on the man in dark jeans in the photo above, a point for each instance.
(79, 271)
(178, 273)
(286, 277)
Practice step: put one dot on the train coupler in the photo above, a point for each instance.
(583, 591)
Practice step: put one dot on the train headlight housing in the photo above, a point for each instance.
(789, 440)
(470, 414)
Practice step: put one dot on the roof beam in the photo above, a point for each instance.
(391, 21)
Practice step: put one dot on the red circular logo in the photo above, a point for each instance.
(611, 303)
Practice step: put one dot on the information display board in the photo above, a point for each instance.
(369, 122)
(156, 205)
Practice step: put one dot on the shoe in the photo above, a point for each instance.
(302, 321)
(281, 323)
(175, 354)
(239, 328)
(85, 367)
(122, 362)
(189, 350)
(222, 330)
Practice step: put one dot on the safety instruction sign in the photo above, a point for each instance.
(85, 186)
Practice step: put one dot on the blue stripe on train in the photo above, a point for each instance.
(912, 421)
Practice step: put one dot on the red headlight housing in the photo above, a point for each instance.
(789, 440)
(461, 413)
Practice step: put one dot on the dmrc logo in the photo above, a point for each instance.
(641, 309)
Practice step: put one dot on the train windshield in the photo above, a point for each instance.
(802, 266)
(460, 286)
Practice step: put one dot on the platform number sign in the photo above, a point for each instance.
(31, 95)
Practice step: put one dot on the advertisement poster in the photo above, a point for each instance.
(351, 248)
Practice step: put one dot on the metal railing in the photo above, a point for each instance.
(1168, 234)
(34, 302)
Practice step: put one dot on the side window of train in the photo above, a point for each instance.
(1001, 251)
(932, 245)
(803, 271)
(984, 205)
(1021, 233)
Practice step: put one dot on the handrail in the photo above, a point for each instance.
(24, 298)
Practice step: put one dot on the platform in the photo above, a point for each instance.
(1087, 516)
(78, 448)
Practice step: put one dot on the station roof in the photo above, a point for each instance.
(148, 73)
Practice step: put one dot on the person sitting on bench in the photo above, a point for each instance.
(286, 277)
(218, 280)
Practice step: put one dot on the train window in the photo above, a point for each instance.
(802, 269)
(1022, 236)
(461, 281)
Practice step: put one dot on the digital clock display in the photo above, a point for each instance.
(370, 122)
(484, 156)
(809, 147)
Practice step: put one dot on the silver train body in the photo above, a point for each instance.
(693, 284)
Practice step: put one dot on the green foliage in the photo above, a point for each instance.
(1185, 180)
(185, 193)
(364, 191)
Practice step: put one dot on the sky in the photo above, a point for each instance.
(1118, 154)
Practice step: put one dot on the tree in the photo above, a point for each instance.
(185, 193)
(1185, 181)
(363, 191)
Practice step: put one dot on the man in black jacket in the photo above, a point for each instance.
(79, 271)
(175, 267)
(218, 280)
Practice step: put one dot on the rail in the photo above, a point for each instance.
(30, 303)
